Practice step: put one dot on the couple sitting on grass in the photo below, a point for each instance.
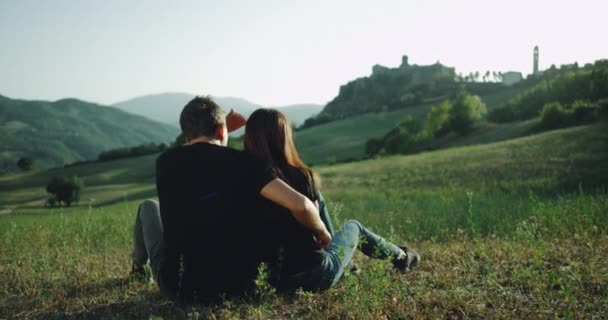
(222, 212)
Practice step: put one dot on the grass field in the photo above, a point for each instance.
(514, 229)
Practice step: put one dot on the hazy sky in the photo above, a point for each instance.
(274, 52)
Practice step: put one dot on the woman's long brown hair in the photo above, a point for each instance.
(268, 134)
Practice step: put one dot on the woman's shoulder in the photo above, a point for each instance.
(302, 179)
(299, 175)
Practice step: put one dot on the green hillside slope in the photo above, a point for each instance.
(68, 130)
(297, 113)
(345, 139)
(557, 160)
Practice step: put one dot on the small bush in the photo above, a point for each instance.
(374, 146)
(584, 112)
(437, 121)
(64, 191)
(407, 138)
(466, 111)
(554, 115)
(25, 164)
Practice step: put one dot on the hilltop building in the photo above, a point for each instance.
(390, 88)
(415, 73)
(511, 77)
(404, 62)
(535, 68)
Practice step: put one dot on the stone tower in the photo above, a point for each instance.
(535, 70)
(404, 62)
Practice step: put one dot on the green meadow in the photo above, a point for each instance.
(510, 229)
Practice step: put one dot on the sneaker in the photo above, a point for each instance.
(408, 262)
(354, 269)
(140, 273)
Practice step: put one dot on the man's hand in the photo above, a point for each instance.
(235, 120)
(323, 238)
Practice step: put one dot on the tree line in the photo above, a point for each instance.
(137, 151)
(565, 86)
(459, 115)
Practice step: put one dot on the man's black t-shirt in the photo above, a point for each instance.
(210, 217)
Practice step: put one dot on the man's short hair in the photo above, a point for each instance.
(200, 117)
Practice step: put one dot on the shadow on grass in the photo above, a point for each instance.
(127, 300)
(145, 307)
(122, 298)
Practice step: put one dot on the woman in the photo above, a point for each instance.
(297, 262)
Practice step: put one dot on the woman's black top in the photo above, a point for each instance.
(292, 247)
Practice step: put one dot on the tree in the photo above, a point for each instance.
(374, 146)
(466, 111)
(599, 80)
(437, 120)
(554, 116)
(180, 140)
(406, 138)
(25, 163)
(64, 191)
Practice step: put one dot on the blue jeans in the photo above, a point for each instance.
(324, 213)
(352, 236)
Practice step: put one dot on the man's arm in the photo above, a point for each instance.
(300, 206)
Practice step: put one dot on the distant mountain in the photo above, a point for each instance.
(68, 130)
(166, 107)
(297, 113)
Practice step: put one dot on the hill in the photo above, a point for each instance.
(68, 130)
(392, 88)
(166, 107)
(297, 113)
(344, 139)
(567, 156)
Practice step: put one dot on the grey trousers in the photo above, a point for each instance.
(148, 236)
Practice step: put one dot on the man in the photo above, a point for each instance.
(201, 240)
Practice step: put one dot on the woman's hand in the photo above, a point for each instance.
(323, 238)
